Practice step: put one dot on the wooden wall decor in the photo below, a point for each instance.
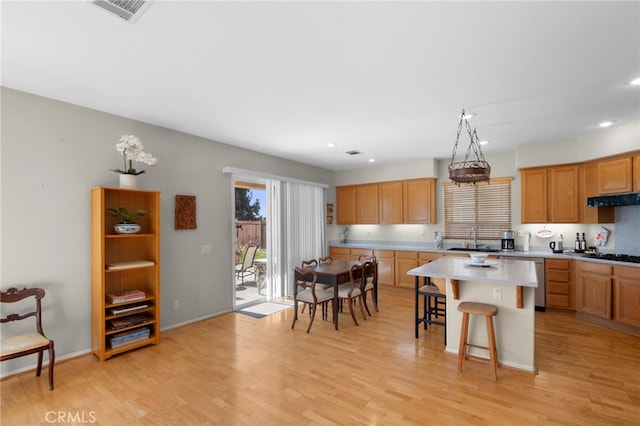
(186, 212)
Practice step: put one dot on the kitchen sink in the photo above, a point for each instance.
(485, 250)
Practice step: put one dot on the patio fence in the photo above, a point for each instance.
(251, 233)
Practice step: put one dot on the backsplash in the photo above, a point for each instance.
(628, 230)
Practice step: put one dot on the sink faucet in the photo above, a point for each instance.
(474, 231)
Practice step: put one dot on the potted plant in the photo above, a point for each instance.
(127, 220)
(131, 148)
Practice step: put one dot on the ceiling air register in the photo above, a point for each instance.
(471, 170)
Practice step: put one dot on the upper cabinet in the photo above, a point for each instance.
(615, 176)
(346, 205)
(551, 194)
(409, 201)
(590, 186)
(419, 201)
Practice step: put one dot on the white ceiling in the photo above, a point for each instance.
(386, 78)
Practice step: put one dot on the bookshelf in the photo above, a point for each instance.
(120, 264)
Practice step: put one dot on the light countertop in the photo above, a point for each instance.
(502, 271)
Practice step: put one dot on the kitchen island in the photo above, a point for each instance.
(509, 285)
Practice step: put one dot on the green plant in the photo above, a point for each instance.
(124, 215)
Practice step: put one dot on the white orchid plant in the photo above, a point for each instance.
(131, 148)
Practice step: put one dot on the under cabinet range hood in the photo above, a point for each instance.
(614, 200)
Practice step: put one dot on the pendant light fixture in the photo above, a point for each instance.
(471, 170)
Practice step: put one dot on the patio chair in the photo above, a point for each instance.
(245, 268)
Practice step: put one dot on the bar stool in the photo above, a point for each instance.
(488, 311)
(434, 306)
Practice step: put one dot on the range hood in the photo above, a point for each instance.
(614, 200)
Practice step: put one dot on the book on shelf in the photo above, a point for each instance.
(128, 309)
(128, 337)
(128, 321)
(113, 266)
(125, 296)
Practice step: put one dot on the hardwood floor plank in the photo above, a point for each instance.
(239, 370)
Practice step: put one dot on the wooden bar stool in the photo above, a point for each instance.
(488, 311)
(434, 307)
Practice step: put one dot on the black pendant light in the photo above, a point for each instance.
(471, 170)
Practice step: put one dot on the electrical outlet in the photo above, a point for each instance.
(176, 305)
(497, 293)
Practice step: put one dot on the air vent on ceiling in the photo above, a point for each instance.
(129, 10)
(354, 153)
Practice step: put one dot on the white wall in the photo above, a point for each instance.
(53, 153)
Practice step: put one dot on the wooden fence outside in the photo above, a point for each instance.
(251, 233)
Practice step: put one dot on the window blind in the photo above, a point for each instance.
(485, 206)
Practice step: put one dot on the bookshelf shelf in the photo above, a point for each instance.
(121, 263)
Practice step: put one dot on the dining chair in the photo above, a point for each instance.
(370, 280)
(325, 259)
(352, 291)
(305, 291)
(23, 344)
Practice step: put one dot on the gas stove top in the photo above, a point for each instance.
(616, 257)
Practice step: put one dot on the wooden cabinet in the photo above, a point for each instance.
(564, 203)
(419, 201)
(551, 194)
(367, 204)
(386, 266)
(340, 253)
(122, 263)
(405, 261)
(593, 288)
(390, 202)
(636, 173)
(346, 205)
(590, 186)
(615, 175)
(560, 283)
(534, 198)
(626, 296)
(410, 201)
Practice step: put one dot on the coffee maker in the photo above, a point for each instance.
(508, 241)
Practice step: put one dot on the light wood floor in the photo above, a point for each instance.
(238, 370)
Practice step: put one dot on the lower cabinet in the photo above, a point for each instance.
(386, 266)
(340, 253)
(560, 283)
(626, 295)
(405, 261)
(593, 288)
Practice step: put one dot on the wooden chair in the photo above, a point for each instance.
(488, 312)
(325, 259)
(353, 290)
(370, 281)
(305, 291)
(245, 267)
(27, 343)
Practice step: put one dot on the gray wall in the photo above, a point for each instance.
(53, 153)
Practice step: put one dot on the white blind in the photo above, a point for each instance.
(485, 206)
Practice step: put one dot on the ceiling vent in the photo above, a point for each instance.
(129, 10)
(354, 153)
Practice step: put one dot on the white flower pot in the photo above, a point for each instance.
(127, 228)
(128, 181)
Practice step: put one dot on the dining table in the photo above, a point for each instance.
(334, 274)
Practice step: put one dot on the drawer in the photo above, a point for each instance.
(557, 288)
(409, 255)
(562, 276)
(383, 254)
(355, 252)
(597, 268)
(557, 301)
(626, 272)
(341, 250)
(557, 264)
(428, 257)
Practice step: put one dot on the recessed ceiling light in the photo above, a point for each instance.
(635, 82)
(483, 142)
(605, 124)
(372, 160)
(332, 145)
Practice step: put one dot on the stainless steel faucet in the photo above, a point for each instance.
(474, 231)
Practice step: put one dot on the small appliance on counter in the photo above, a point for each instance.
(508, 241)
(526, 242)
(556, 246)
